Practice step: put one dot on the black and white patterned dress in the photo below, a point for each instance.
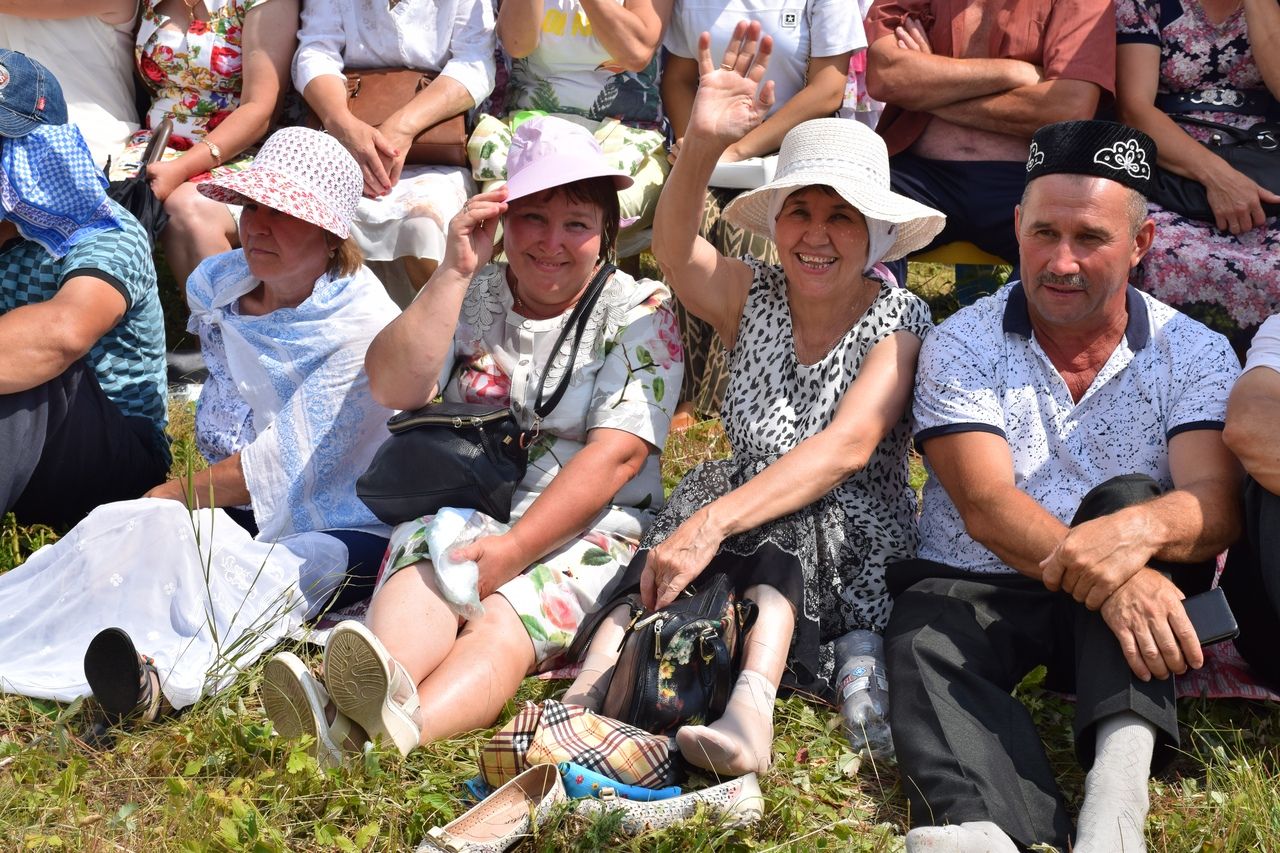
(828, 558)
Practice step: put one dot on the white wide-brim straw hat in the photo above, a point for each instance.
(302, 172)
(849, 157)
(550, 152)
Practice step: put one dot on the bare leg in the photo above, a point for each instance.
(589, 687)
(198, 228)
(741, 740)
(482, 671)
(412, 620)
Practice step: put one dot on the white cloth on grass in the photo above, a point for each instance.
(193, 589)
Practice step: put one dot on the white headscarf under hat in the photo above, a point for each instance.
(851, 159)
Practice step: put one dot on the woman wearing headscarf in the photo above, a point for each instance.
(813, 503)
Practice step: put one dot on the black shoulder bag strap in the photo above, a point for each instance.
(577, 323)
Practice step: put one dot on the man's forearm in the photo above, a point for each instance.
(925, 82)
(1024, 110)
(1015, 528)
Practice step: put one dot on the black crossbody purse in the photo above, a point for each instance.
(466, 455)
(1254, 152)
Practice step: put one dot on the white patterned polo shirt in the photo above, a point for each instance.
(983, 370)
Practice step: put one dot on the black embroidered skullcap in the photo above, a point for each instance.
(1103, 149)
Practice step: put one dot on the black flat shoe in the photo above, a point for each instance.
(125, 683)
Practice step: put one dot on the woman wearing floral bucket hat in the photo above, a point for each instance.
(481, 332)
(814, 501)
(213, 568)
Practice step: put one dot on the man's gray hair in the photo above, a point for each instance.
(1135, 205)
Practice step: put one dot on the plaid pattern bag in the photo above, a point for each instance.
(552, 732)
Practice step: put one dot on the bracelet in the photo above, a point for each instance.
(214, 150)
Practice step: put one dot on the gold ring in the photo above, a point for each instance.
(724, 66)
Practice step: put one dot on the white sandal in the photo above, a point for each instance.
(502, 818)
(370, 686)
(735, 803)
(295, 703)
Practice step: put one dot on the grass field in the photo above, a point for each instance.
(215, 778)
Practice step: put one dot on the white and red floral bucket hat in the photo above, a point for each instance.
(302, 172)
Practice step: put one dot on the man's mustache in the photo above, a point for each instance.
(1076, 280)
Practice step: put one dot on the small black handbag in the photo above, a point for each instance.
(465, 455)
(1254, 152)
(678, 664)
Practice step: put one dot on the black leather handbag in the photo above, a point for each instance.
(1254, 152)
(678, 664)
(465, 455)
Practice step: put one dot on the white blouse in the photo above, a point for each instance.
(452, 37)
(93, 62)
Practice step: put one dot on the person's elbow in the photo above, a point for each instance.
(1249, 437)
(1071, 100)
(517, 45)
(882, 77)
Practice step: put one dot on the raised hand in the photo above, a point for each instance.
(731, 102)
(469, 241)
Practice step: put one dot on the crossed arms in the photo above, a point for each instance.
(1008, 96)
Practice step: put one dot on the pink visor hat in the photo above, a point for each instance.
(550, 152)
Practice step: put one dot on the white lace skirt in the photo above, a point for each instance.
(411, 220)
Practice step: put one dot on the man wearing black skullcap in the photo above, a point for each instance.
(1078, 485)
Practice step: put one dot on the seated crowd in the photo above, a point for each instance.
(1091, 450)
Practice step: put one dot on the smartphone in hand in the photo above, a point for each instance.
(1211, 616)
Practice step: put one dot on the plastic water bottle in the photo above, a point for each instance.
(863, 691)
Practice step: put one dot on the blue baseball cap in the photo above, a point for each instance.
(29, 95)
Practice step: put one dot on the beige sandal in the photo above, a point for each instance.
(297, 704)
(368, 685)
(502, 818)
(735, 803)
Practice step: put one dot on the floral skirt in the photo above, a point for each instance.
(411, 220)
(552, 596)
(1193, 262)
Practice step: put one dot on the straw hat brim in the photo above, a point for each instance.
(278, 191)
(916, 224)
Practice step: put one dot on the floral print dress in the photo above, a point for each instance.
(1192, 261)
(195, 79)
(626, 376)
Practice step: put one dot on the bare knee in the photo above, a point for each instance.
(192, 214)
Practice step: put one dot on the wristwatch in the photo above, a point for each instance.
(214, 150)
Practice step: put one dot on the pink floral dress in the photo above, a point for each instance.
(626, 376)
(1192, 262)
(194, 78)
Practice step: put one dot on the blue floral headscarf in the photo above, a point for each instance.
(51, 189)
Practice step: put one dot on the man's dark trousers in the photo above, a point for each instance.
(959, 642)
(65, 448)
